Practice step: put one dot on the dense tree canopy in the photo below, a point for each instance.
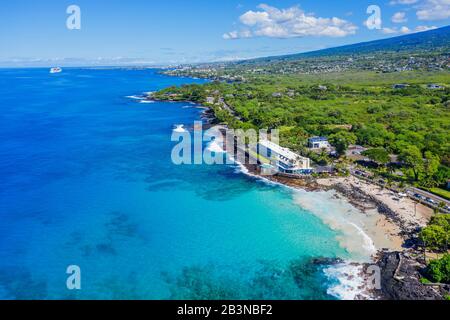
(362, 108)
(436, 235)
(379, 155)
(439, 269)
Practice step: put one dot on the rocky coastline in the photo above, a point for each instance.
(400, 277)
(400, 270)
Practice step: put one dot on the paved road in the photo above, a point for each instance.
(412, 192)
(426, 194)
(230, 110)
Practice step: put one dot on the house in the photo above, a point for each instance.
(354, 152)
(210, 100)
(434, 86)
(284, 159)
(323, 88)
(400, 86)
(319, 143)
(324, 170)
(277, 94)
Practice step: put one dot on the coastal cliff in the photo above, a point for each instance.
(400, 278)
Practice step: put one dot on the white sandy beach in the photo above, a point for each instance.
(410, 213)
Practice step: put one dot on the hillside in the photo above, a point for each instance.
(427, 51)
(437, 41)
(351, 94)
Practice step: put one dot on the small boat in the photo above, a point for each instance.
(55, 70)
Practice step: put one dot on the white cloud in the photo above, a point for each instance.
(389, 30)
(403, 2)
(289, 23)
(399, 17)
(406, 30)
(424, 28)
(231, 35)
(434, 10)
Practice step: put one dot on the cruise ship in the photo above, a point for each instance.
(55, 70)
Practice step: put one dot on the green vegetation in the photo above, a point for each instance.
(439, 270)
(378, 155)
(412, 122)
(436, 235)
(375, 94)
(341, 140)
(440, 192)
(425, 281)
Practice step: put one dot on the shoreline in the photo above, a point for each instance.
(394, 218)
(392, 227)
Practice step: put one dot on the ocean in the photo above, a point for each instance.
(87, 180)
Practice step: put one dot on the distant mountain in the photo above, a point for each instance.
(430, 41)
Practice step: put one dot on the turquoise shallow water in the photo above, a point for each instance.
(87, 180)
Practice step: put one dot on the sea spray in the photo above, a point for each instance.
(348, 282)
(135, 97)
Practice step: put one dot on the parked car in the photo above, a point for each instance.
(419, 196)
(429, 200)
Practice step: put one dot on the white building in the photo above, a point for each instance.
(434, 86)
(319, 143)
(284, 159)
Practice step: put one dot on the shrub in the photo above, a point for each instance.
(439, 270)
(434, 237)
(442, 220)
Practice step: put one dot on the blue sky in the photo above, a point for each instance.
(34, 33)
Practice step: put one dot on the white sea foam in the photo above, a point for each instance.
(348, 222)
(242, 169)
(341, 217)
(146, 101)
(135, 97)
(349, 282)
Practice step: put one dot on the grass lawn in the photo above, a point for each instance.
(441, 192)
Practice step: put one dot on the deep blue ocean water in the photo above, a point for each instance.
(86, 179)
